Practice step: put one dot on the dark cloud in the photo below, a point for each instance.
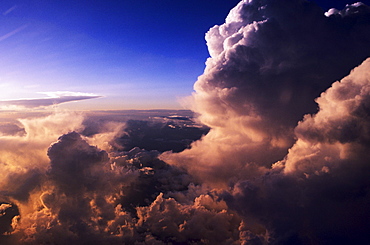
(20, 185)
(325, 209)
(173, 135)
(150, 130)
(74, 164)
(8, 217)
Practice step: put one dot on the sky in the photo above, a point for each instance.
(126, 54)
(135, 54)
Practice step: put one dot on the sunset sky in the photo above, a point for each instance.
(131, 54)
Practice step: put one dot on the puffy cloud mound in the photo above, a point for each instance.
(70, 191)
(22, 156)
(320, 193)
(340, 131)
(87, 196)
(74, 164)
(168, 221)
(269, 61)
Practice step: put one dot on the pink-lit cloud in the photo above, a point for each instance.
(268, 63)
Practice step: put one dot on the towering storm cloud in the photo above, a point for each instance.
(268, 63)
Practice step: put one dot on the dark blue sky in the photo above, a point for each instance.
(137, 54)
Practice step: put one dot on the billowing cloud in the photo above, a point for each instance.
(22, 156)
(54, 98)
(339, 132)
(79, 193)
(320, 192)
(89, 196)
(268, 63)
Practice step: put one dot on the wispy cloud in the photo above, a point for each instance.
(10, 10)
(9, 34)
(53, 98)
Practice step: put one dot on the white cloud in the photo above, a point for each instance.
(52, 99)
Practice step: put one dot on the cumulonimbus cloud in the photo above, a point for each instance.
(268, 63)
